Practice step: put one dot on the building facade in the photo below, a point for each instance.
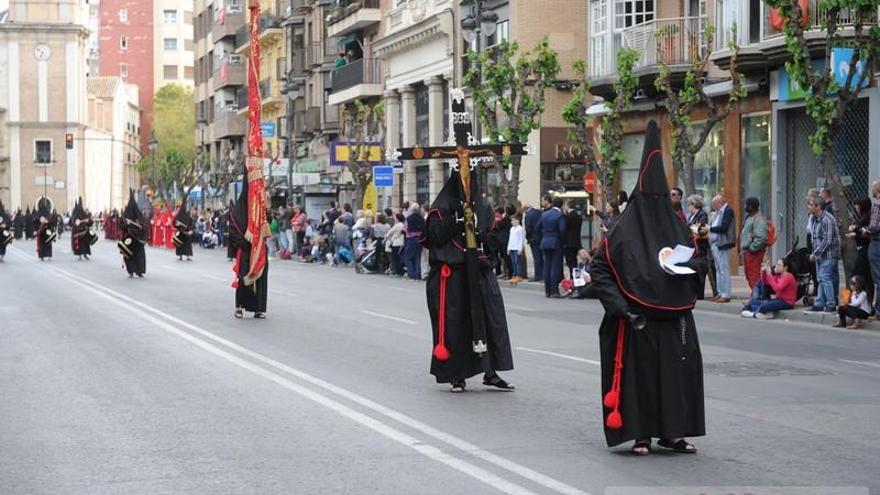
(43, 71)
(114, 122)
(127, 50)
(173, 43)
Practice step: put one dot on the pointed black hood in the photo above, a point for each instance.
(450, 198)
(44, 207)
(240, 209)
(649, 224)
(182, 214)
(132, 212)
(78, 212)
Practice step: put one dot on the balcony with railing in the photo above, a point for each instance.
(243, 40)
(672, 41)
(352, 16)
(227, 22)
(270, 95)
(356, 80)
(228, 123)
(271, 30)
(231, 71)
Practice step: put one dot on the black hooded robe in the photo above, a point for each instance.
(444, 239)
(18, 225)
(661, 381)
(230, 248)
(46, 226)
(183, 224)
(80, 230)
(133, 238)
(30, 227)
(254, 297)
(6, 234)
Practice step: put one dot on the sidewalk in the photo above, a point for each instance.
(741, 293)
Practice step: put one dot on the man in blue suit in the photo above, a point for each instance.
(552, 243)
(532, 225)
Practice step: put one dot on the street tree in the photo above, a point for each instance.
(611, 142)
(176, 161)
(689, 138)
(828, 101)
(363, 125)
(508, 89)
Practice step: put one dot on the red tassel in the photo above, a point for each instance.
(612, 399)
(614, 421)
(440, 350)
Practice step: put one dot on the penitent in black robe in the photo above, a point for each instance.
(81, 231)
(660, 392)
(444, 239)
(183, 225)
(6, 234)
(133, 239)
(251, 298)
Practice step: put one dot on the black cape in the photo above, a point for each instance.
(254, 297)
(46, 225)
(133, 238)
(659, 389)
(18, 224)
(230, 248)
(183, 226)
(30, 227)
(6, 229)
(81, 237)
(444, 238)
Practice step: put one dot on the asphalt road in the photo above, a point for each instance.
(118, 385)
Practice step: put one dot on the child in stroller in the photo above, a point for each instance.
(798, 260)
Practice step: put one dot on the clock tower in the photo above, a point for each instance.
(43, 71)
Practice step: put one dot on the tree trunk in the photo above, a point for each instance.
(512, 193)
(848, 250)
(687, 176)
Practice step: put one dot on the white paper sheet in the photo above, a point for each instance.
(680, 254)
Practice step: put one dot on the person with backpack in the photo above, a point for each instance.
(753, 241)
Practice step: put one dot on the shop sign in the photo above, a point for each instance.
(787, 89)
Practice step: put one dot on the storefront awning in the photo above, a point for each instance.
(724, 87)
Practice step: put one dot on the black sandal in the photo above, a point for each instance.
(641, 447)
(494, 380)
(682, 446)
(458, 386)
(238, 313)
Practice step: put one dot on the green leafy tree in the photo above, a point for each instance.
(176, 160)
(508, 89)
(620, 102)
(688, 139)
(362, 124)
(827, 101)
(575, 114)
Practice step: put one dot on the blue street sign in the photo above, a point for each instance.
(383, 176)
(268, 128)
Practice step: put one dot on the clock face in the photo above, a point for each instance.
(42, 52)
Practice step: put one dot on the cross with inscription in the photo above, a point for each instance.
(464, 154)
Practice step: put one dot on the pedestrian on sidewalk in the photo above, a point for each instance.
(676, 195)
(552, 243)
(753, 241)
(776, 280)
(858, 308)
(722, 237)
(652, 367)
(394, 241)
(826, 255)
(698, 221)
(573, 244)
(515, 245)
(858, 232)
(532, 225)
(873, 231)
(412, 250)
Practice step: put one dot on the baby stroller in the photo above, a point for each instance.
(367, 261)
(798, 260)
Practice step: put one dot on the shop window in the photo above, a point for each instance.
(756, 158)
(629, 171)
(709, 163)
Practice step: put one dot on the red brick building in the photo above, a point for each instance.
(126, 50)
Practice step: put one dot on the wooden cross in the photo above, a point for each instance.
(464, 153)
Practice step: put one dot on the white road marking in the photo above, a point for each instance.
(562, 356)
(389, 317)
(283, 293)
(382, 428)
(519, 308)
(220, 279)
(864, 363)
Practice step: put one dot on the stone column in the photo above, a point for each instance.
(435, 130)
(392, 136)
(408, 111)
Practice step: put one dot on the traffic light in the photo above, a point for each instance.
(68, 140)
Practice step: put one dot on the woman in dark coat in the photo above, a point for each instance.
(863, 240)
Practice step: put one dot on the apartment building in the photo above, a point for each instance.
(220, 79)
(173, 43)
(762, 148)
(312, 122)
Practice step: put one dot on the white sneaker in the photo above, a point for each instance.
(764, 316)
(747, 314)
